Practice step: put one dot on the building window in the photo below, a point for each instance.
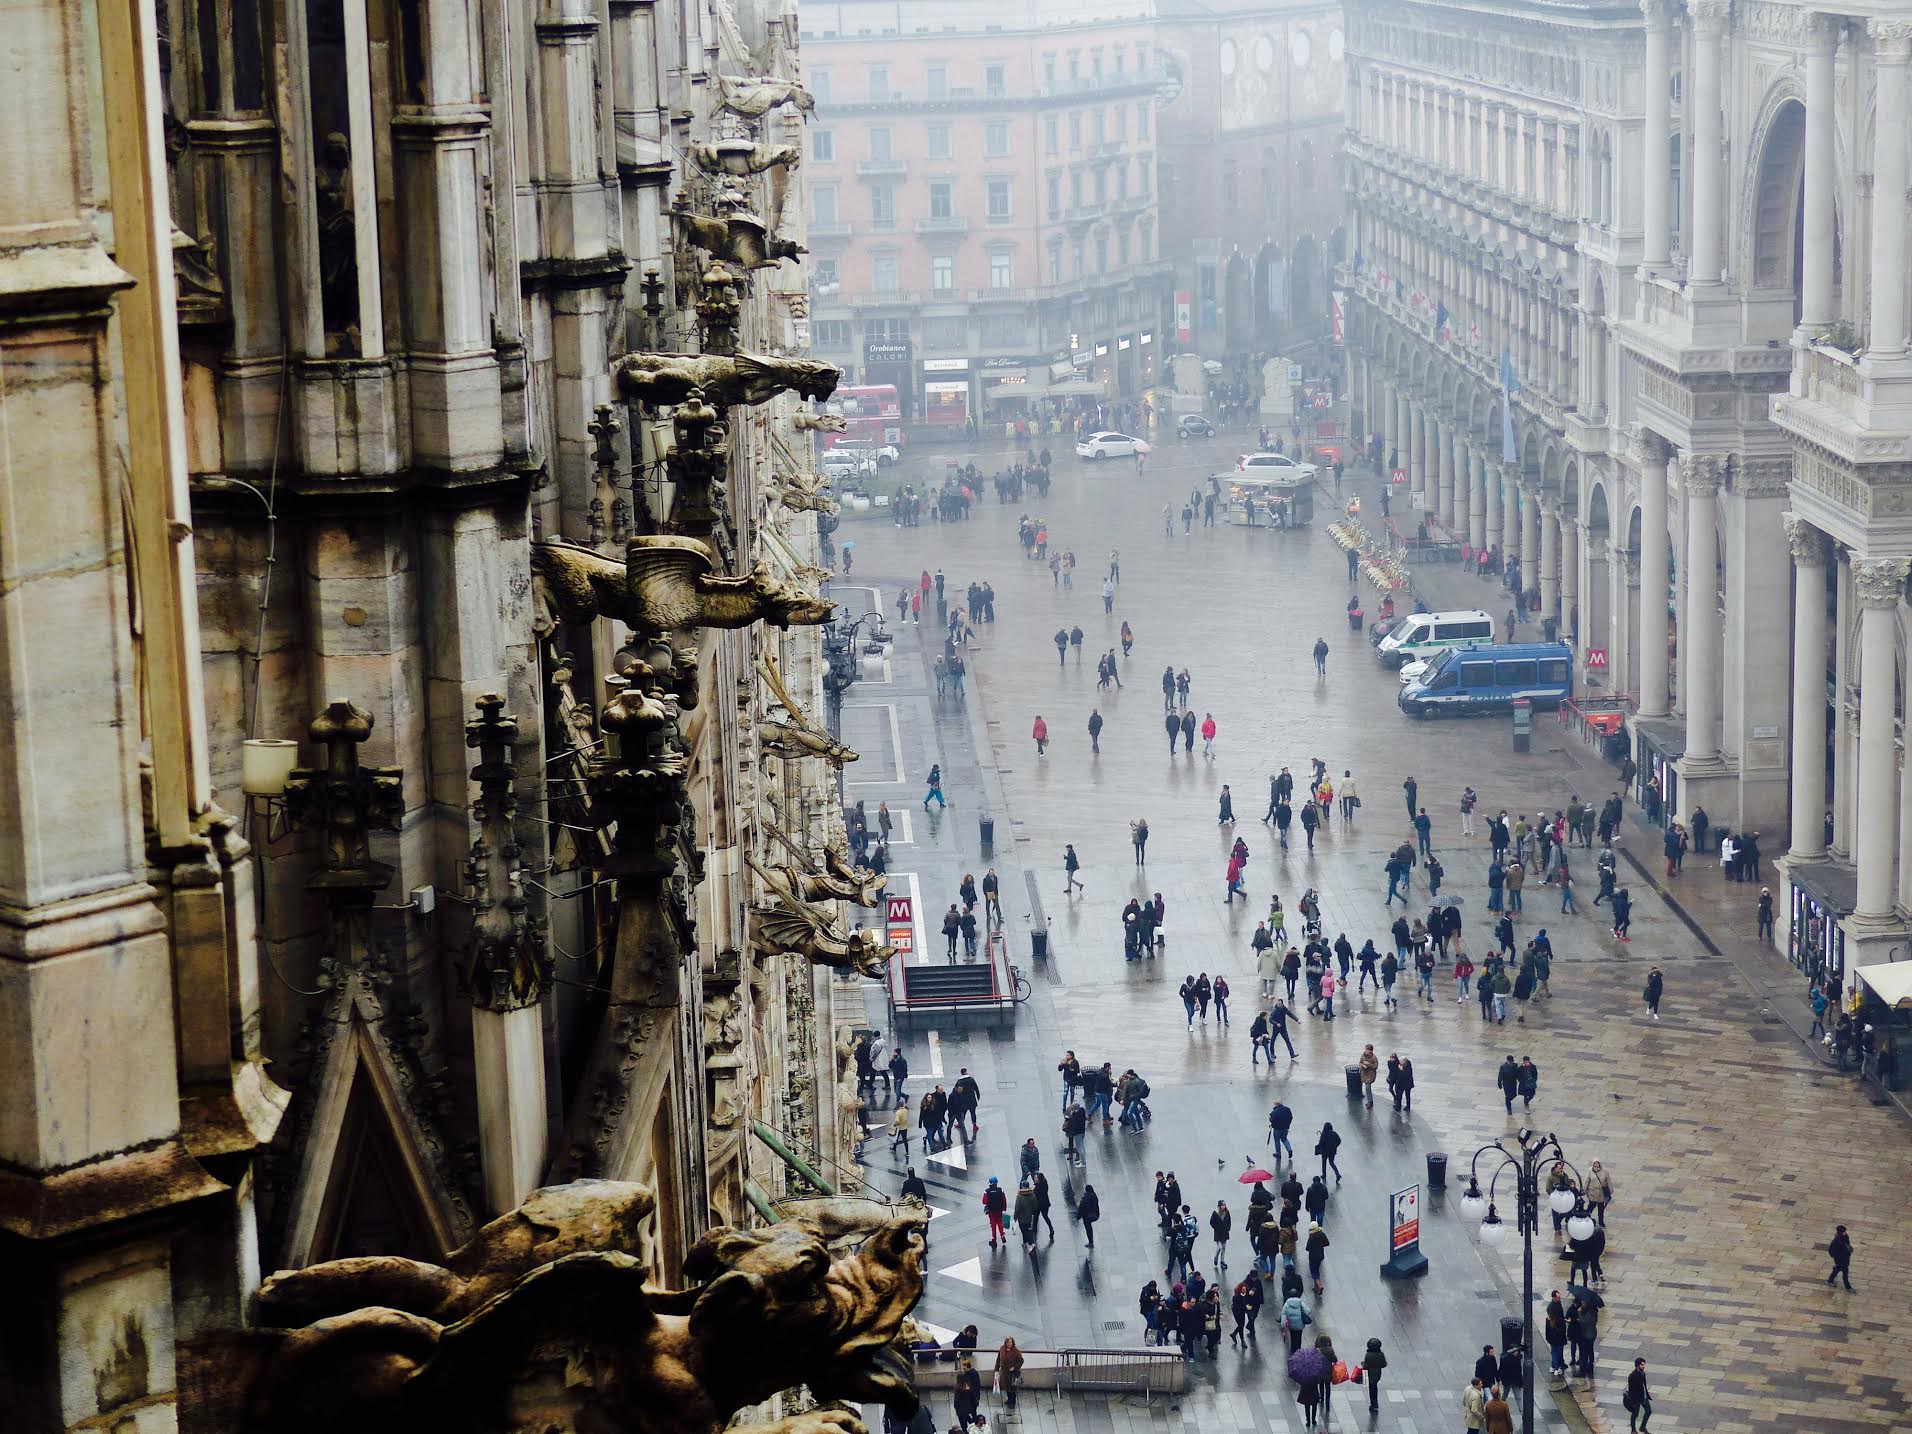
(1142, 120)
(1055, 261)
(996, 139)
(941, 199)
(1122, 248)
(1121, 60)
(1048, 74)
(949, 332)
(823, 204)
(887, 329)
(818, 82)
(998, 200)
(1051, 135)
(1075, 129)
(1005, 331)
(883, 206)
(1055, 196)
(823, 275)
(883, 273)
(942, 273)
(880, 142)
(1307, 164)
(936, 141)
(1141, 57)
(1075, 260)
(1075, 66)
(1231, 188)
(1142, 177)
(1102, 251)
(1121, 123)
(1101, 186)
(995, 84)
(1121, 181)
(938, 82)
(830, 334)
(823, 145)
(1075, 190)
(1095, 65)
(1002, 270)
(879, 84)
(1098, 127)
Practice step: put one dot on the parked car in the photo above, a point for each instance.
(883, 454)
(1194, 425)
(1110, 445)
(1275, 465)
(839, 464)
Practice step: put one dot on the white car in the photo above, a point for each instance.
(1275, 465)
(1110, 445)
(841, 463)
(878, 453)
(1414, 671)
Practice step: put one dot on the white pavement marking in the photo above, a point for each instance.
(916, 915)
(969, 1271)
(896, 746)
(935, 1053)
(951, 1156)
(936, 1211)
(902, 824)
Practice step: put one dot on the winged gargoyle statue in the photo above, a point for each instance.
(577, 583)
(819, 422)
(754, 95)
(742, 156)
(797, 927)
(842, 879)
(674, 583)
(804, 495)
(799, 736)
(547, 1319)
(723, 378)
(739, 238)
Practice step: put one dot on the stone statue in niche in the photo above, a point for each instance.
(546, 1320)
(338, 247)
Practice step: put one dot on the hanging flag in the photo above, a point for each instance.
(1509, 386)
(1357, 261)
(1473, 334)
(1400, 291)
(1440, 322)
(1335, 302)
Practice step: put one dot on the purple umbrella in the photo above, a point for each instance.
(1307, 1364)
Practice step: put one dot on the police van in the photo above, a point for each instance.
(1426, 634)
(1472, 680)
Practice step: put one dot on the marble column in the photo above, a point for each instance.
(1810, 552)
(1699, 606)
(1444, 458)
(1529, 541)
(1467, 517)
(1402, 437)
(1509, 516)
(1569, 574)
(1490, 501)
(1417, 462)
(1626, 601)
(1656, 135)
(1818, 305)
(1708, 19)
(1880, 584)
(1549, 559)
(1891, 48)
(1651, 456)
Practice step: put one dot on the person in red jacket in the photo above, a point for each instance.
(1208, 735)
(1041, 734)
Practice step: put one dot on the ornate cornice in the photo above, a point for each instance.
(1701, 473)
(1811, 548)
(1880, 582)
(1761, 477)
(1891, 40)
(1658, 13)
(1645, 447)
(1709, 17)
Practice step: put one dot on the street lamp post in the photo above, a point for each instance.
(1535, 1149)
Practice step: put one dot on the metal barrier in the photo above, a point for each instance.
(1145, 1372)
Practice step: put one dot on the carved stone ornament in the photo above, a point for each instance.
(1891, 40)
(739, 155)
(798, 737)
(841, 878)
(1762, 477)
(510, 965)
(801, 497)
(578, 584)
(1811, 548)
(346, 802)
(793, 926)
(642, 788)
(546, 1320)
(754, 95)
(674, 585)
(723, 379)
(1880, 582)
(1646, 448)
(1701, 473)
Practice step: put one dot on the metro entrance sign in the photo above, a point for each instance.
(899, 922)
(1596, 658)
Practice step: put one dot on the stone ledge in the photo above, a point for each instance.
(58, 1204)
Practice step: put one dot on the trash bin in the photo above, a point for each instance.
(1511, 1330)
(986, 828)
(1354, 1082)
(1437, 1169)
(1039, 944)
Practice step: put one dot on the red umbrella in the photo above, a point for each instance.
(1254, 1175)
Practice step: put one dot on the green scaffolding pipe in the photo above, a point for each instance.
(760, 1202)
(790, 1157)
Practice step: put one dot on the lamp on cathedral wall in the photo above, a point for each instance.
(265, 764)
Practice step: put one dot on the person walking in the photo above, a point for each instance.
(1622, 914)
(1280, 1120)
(1497, 1416)
(1370, 1066)
(1326, 1146)
(1404, 1085)
(1139, 838)
(1221, 1224)
(952, 928)
(1095, 731)
(1041, 733)
(1108, 596)
(1225, 815)
(1637, 1401)
(935, 792)
(1321, 657)
(1208, 736)
(1529, 1081)
(1188, 733)
(1089, 1210)
(1349, 799)
(1372, 1363)
(1763, 914)
(1025, 1215)
(1654, 989)
(1062, 646)
(1598, 1192)
(900, 1129)
(995, 1205)
(992, 897)
(1508, 1079)
(1840, 1248)
(1071, 864)
(1042, 1204)
(1220, 992)
(1295, 1318)
(1317, 1248)
(1474, 1406)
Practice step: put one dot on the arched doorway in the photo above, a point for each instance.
(1238, 305)
(1308, 302)
(1779, 203)
(1271, 295)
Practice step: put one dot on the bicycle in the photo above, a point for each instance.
(1022, 990)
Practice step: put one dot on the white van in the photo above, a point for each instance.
(1428, 634)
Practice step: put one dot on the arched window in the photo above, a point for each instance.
(1306, 164)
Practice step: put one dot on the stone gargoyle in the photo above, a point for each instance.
(753, 95)
(722, 378)
(798, 927)
(547, 1321)
(578, 583)
(740, 238)
(819, 422)
(842, 879)
(804, 497)
(798, 737)
(741, 156)
(674, 583)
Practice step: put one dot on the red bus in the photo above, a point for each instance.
(872, 414)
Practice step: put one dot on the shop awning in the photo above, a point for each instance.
(1891, 982)
(1072, 387)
